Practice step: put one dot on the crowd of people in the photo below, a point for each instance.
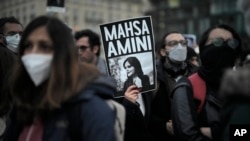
(54, 86)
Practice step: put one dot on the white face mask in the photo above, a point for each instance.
(178, 53)
(12, 42)
(38, 67)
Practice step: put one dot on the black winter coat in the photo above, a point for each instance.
(136, 125)
(161, 105)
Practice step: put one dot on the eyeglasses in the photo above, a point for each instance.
(83, 48)
(175, 43)
(232, 43)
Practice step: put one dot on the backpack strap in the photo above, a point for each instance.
(119, 126)
(199, 89)
(74, 122)
(182, 82)
(73, 115)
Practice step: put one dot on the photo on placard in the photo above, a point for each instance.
(129, 53)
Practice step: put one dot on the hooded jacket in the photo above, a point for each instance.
(93, 119)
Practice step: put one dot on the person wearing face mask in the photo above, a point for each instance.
(55, 97)
(170, 67)
(12, 30)
(219, 46)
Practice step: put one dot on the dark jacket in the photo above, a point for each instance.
(187, 121)
(136, 126)
(160, 109)
(161, 104)
(94, 120)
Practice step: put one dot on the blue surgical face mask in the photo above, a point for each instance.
(13, 42)
(178, 53)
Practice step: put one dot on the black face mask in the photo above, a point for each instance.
(215, 60)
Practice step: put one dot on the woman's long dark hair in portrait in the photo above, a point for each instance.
(133, 61)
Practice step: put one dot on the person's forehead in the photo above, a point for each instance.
(12, 27)
(220, 33)
(40, 33)
(83, 41)
(127, 63)
(174, 36)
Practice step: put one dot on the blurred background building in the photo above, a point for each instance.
(186, 16)
(78, 14)
(195, 16)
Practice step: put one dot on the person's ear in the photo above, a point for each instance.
(3, 40)
(163, 52)
(96, 49)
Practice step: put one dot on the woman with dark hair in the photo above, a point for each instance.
(135, 74)
(136, 102)
(220, 46)
(7, 61)
(52, 95)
